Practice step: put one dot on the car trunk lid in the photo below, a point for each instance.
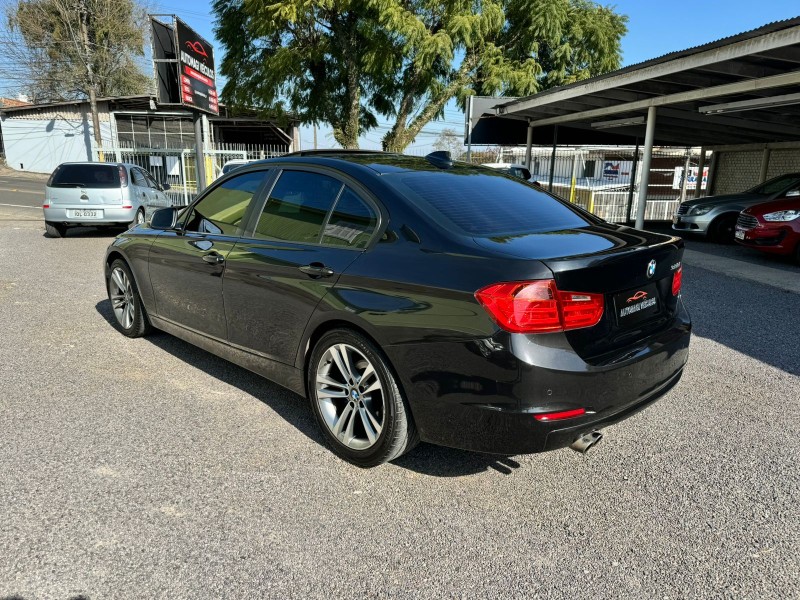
(633, 270)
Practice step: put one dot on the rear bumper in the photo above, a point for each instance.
(495, 412)
(111, 214)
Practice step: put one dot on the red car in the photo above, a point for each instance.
(773, 227)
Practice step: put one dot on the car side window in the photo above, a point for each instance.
(297, 207)
(150, 181)
(351, 223)
(221, 211)
(138, 178)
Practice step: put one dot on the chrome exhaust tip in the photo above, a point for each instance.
(583, 443)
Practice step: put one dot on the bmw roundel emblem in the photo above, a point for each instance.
(651, 269)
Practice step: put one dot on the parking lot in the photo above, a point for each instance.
(150, 468)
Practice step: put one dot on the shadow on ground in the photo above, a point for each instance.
(426, 458)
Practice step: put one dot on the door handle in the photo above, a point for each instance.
(213, 258)
(316, 269)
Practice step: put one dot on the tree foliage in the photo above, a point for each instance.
(347, 62)
(53, 59)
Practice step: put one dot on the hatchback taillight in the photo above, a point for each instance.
(123, 176)
(539, 306)
(677, 280)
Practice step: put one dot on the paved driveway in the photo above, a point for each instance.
(150, 469)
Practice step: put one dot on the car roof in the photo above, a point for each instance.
(371, 161)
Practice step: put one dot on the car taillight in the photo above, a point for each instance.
(539, 306)
(563, 414)
(677, 280)
(123, 176)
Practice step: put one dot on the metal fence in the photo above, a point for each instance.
(178, 166)
(606, 179)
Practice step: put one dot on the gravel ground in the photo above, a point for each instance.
(150, 469)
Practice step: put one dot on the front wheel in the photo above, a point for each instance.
(356, 400)
(125, 301)
(723, 229)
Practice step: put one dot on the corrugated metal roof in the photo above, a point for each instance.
(676, 55)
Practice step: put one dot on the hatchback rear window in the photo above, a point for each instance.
(88, 176)
(486, 205)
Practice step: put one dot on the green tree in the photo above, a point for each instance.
(77, 49)
(321, 60)
(345, 62)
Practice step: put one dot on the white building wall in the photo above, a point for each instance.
(40, 142)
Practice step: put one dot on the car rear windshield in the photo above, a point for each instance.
(485, 205)
(88, 176)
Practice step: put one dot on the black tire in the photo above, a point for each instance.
(139, 324)
(54, 230)
(723, 229)
(398, 434)
(138, 219)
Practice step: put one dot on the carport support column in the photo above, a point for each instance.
(528, 146)
(553, 159)
(199, 155)
(762, 177)
(701, 164)
(646, 158)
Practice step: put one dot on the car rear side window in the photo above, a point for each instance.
(486, 205)
(222, 210)
(351, 223)
(88, 176)
(297, 207)
(139, 178)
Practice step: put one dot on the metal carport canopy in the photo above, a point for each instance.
(740, 89)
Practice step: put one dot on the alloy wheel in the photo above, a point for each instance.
(121, 295)
(350, 396)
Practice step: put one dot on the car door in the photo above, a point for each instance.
(187, 264)
(159, 198)
(311, 228)
(141, 190)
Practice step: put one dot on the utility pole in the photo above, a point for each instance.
(87, 54)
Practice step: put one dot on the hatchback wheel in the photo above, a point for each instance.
(357, 401)
(125, 301)
(138, 219)
(54, 230)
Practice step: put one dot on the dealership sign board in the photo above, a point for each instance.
(184, 66)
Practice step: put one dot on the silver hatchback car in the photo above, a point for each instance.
(100, 194)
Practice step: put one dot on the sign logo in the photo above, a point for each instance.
(197, 48)
(651, 269)
(640, 295)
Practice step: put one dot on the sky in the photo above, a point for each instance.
(655, 27)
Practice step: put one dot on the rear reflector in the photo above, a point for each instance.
(557, 416)
(45, 206)
(127, 207)
(677, 280)
(539, 306)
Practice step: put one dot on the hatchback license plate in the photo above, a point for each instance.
(739, 234)
(87, 214)
(636, 305)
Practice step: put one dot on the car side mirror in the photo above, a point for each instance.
(164, 218)
(165, 186)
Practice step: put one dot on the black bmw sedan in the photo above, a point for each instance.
(414, 299)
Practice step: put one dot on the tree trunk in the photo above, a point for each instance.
(402, 133)
(87, 51)
(347, 130)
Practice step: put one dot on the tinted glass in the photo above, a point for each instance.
(486, 205)
(222, 210)
(88, 176)
(297, 207)
(150, 181)
(776, 185)
(351, 223)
